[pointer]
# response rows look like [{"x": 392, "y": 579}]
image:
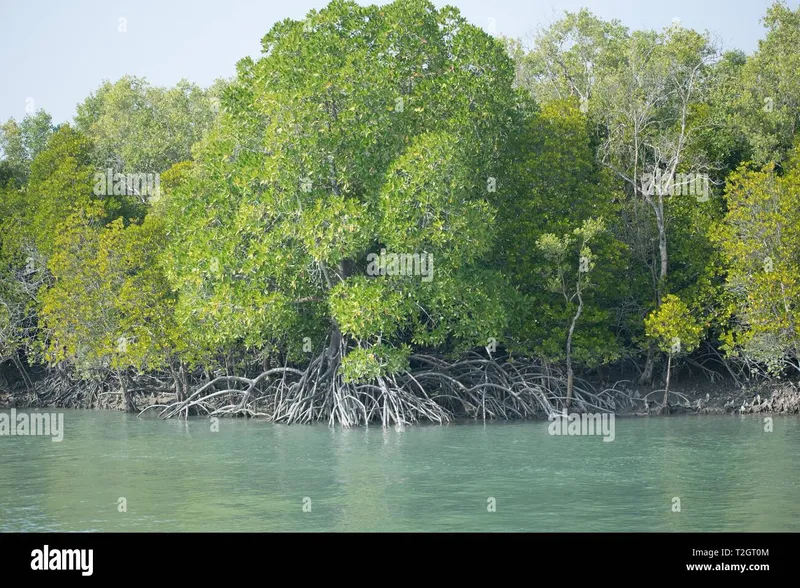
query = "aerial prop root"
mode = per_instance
[{"x": 432, "y": 390}]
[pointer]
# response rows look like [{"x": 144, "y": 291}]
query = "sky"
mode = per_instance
[{"x": 54, "y": 53}]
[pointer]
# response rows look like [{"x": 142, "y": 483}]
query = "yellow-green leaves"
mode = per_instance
[
  {"x": 760, "y": 244},
  {"x": 335, "y": 228},
  {"x": 431, "y": 202},
  {"x": 369, "y": 364},
  {"x": 365, "y": 307},
  {"x": 673, "y": 327},
  {"x": 109, "y": 306}
]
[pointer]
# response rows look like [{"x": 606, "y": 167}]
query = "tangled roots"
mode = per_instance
[{"x": 432, "y": 390}]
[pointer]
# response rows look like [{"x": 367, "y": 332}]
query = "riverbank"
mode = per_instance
[
  {"x": 703, "y": 397},
  {"x": 692, "y": 397}
]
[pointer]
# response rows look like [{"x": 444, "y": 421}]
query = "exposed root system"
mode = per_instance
[{"x": 433, "y": 390}]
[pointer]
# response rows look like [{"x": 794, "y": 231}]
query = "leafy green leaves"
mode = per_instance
[
  {"x": 361, "y": 129},
  {"x": 673, "y": 327},
  {"x": 760, "y": 246},
  {"x": 110, "y": 306}
]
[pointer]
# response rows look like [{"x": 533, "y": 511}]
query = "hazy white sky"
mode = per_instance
[{"x": 55, "y": 52}]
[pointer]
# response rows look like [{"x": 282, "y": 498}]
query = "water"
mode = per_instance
[{"x": 728, "y": 473}]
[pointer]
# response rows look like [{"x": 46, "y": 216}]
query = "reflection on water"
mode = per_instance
[{"x": 729, "y": 474}]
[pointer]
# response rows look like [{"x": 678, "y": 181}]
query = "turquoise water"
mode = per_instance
[{"x": 728, "y": 473}]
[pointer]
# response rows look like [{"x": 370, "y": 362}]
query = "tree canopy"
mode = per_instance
[{"x": 392, "y": 215}]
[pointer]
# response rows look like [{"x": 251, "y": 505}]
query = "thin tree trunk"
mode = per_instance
[
  {"x": 666, "y": 388},
  {"x": 175, "y": 381},
  {"x": 658, "y": 209},
  {"x": 179, "y": 378},
  {"x": 570, "y": 376},
  {"x": 662, "y": 250},
  {"x": 649, "y": 365},
  {"x": 23, "y": 372},
  {"x": 127, "y": 400},
  {"x": 183, "y": 381}
]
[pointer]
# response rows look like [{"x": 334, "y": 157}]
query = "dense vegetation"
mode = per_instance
[{"x": 395, "y": 216}]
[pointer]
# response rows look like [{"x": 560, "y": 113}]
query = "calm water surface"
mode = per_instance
[{"x": 729, "y": 474}]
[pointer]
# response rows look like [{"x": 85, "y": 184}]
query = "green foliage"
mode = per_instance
[
  {"x": 673, "y": 327},
  {"x": 362, "y": 129},
  {"x": 644, "y": 96},
  {"x": 721, "y": 135},
  {"x": 364, "y": 307},
  {"x": 567, "y": 265},
  {"x": 109, "y": 306},
  {"x": 138, "y": 128},
  {"x": 553, "y": 184},
  {"x": 760, "y": 245},
  {"x": 562, "y": 267},
  {"x": 21, "y": 143},
  {"x": 766, "y": 101},
  {"x": 365, "y": 133},
  {"x": 61, "y": 184},
  {"x": 364, "y": 365},
  {"x": 577, "y": 46}
]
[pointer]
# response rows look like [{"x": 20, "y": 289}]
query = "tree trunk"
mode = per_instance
[
  {"x": 666, "y": 388},
  {"x": 647, "y": 375},
  {"x": 23, "y": 372},
  {"x": 649, "y": 365},
  {"x": 570, "y": 376},
  {"x": 662, "y": 252},
  {"x": 333, "y": 354},
  {"x": 175, "y": 382},
  {"x": 127, "y": 398},
  {"x": 179, "y": 379},
  {"x": 183, "y": 382},
  {"x": 569, "y": 385}
]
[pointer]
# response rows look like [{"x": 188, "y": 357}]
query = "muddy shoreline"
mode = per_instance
[{"x": 703, "y": 397}]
